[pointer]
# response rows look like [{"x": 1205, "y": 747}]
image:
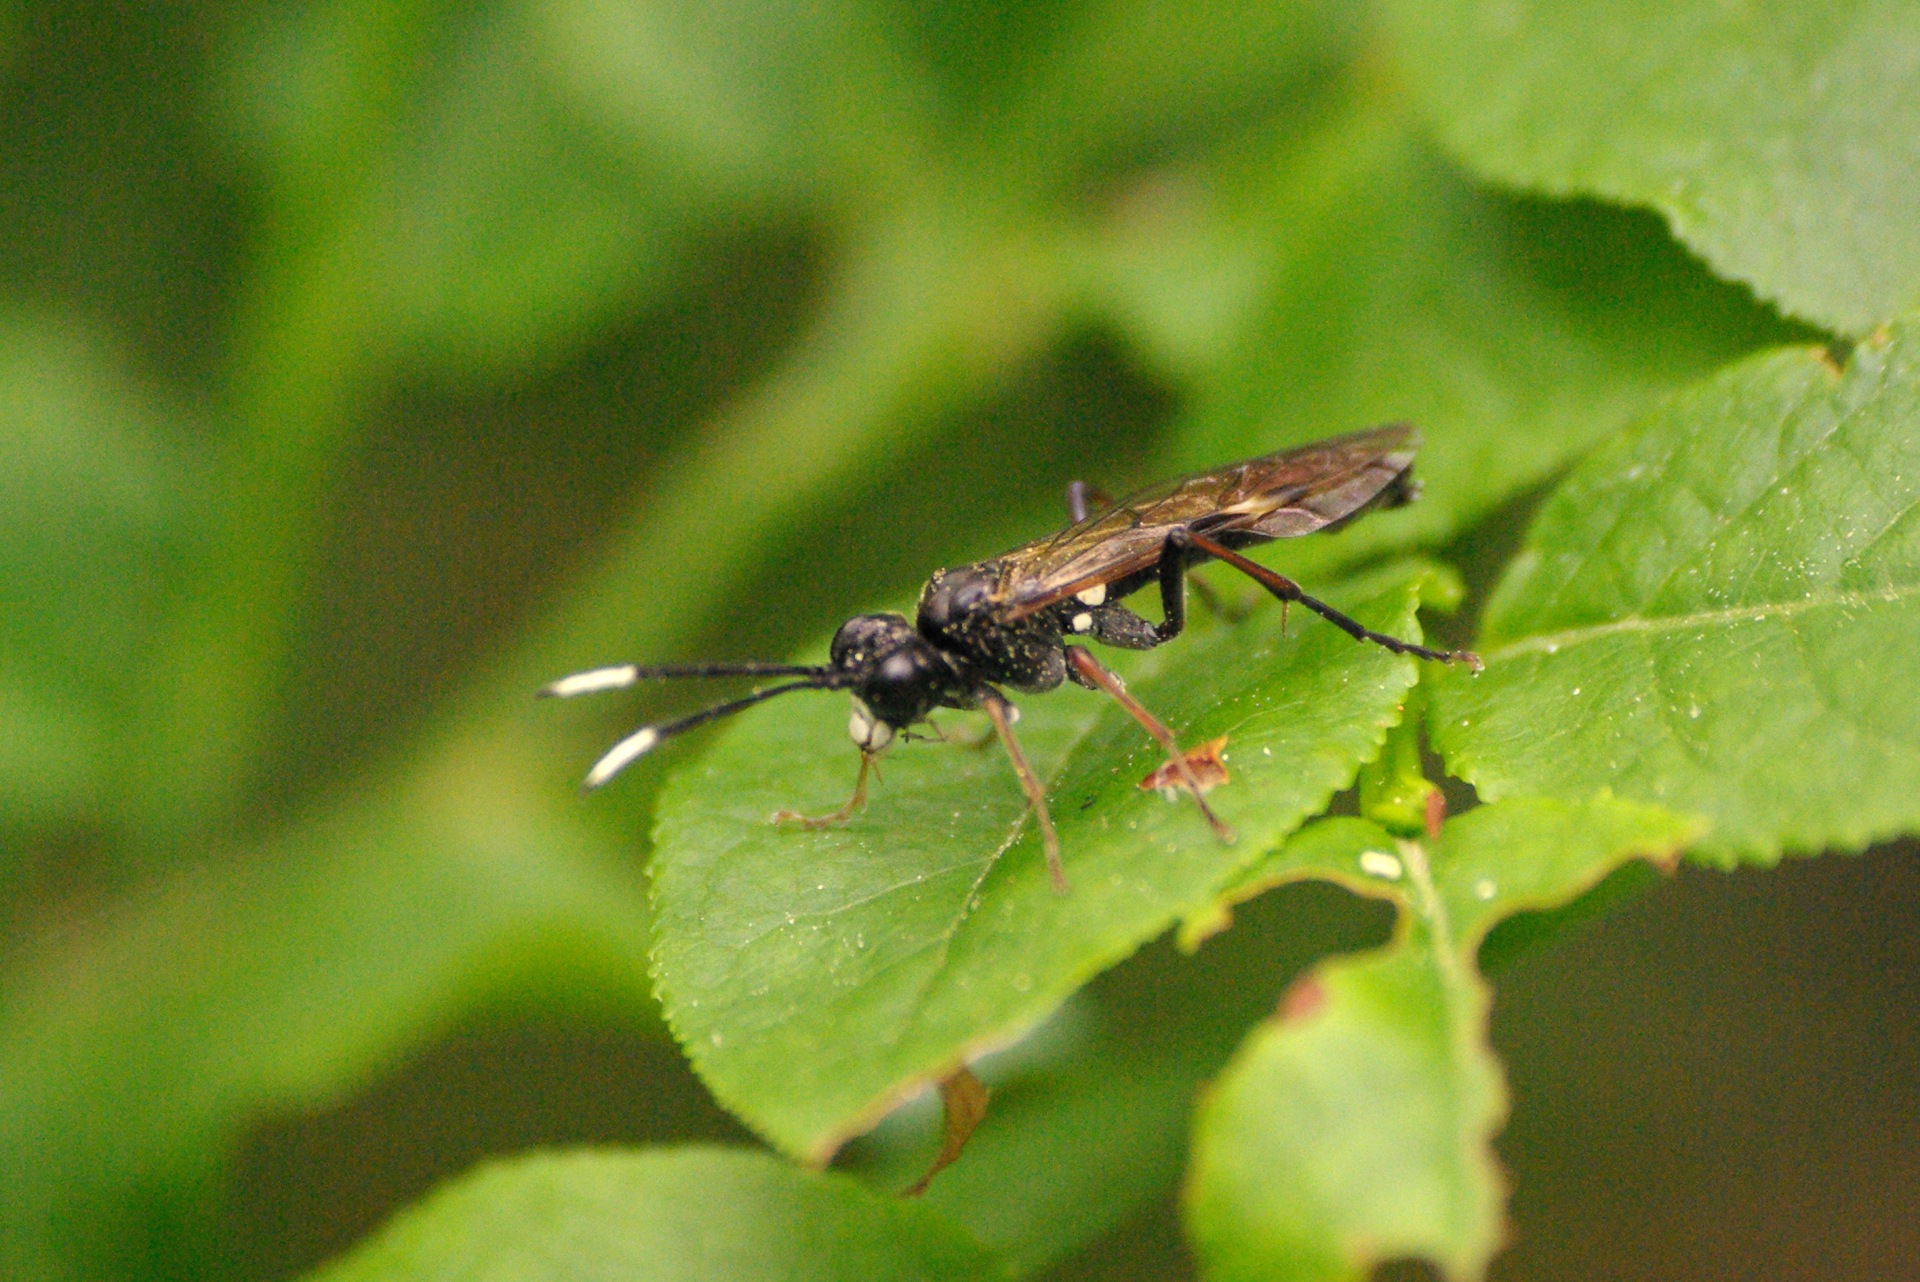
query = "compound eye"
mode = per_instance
[
  {"x": 864, "y": 634},
  {"x": 899, "y": 668}
]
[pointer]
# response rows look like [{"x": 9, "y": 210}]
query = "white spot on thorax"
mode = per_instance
[
  {"x": 1082, "y": 621},
  {"x": 1095, "y": 595}
]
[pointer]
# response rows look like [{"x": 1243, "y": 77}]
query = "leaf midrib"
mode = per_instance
[
  {"x": 1144, "y": 669},
  {"x": 1553, "y": 642}
]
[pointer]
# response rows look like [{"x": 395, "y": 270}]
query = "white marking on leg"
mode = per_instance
[
  {"x": 622, "y": 755},
  {"x": 1095, "y": 595},
  {"x": 1082, "y": 622},
  {"x": 592, "y": 681}
]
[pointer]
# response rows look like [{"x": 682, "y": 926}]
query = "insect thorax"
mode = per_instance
[{"x": 960, "y": 614}]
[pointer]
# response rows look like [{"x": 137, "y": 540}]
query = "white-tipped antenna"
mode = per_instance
[
  {"x": 621, "y": 675},
  {"x": 592, "y": 681},
  {"x": 622, "y": 754},
  {"x": 642, "y": 741}
]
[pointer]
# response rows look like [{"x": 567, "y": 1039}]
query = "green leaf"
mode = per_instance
[
  {"x": 1110, "y": 82},
  {"x": 91, "y": 505},
  {"x": 433, "y": 203},
  {"x": 1716, "y": 614},
  {"x": 139, "y": 1047},
  {"x": 1090, "y": 1111},
  {"x": 1356, "y": 1127},
  {"x": 1335, "y": 849},
  {"x": 675, "y": 1215},
  {"x": 1514, "y": 333},
  {"x": 1394, "y": 789},
  {"x": 513, "y": 231},
  {"x": 816, "y": 978},
  {"x": 339, "y": 945},
  {"x": 1780, "y": 139},
  {"x": 777, "y": 100}
]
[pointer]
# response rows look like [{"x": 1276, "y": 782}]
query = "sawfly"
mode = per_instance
[{"x": 1010, "y": 622}]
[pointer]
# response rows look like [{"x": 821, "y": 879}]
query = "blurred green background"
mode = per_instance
[{"x": 363, "y": 365}]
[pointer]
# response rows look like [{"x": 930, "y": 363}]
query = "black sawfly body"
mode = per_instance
[{"x": 1009, "y": 622}]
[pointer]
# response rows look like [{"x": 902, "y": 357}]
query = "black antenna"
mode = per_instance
[
  {"x": 647, "y": 738},
  {"x": 622, "y": 675}
]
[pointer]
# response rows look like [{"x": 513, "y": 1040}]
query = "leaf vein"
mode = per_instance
[
  {"x": 1784, "y": 468},
  {"x": 1552, "y": 642}
]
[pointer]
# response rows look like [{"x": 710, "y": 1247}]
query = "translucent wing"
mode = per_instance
[{"x": 1276, "y": 496}]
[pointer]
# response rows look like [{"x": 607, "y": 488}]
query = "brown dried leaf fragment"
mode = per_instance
[
  {"x": 1206, "y": 763},
  {"x": 964, "y": 1099}
]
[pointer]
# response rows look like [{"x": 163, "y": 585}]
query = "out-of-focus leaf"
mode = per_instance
[
  {"x": 299, "y": 85},
  {"x": 1781, "y": 140},
  {"x": 1119, "y": 82},
  {"x": 495, "y": 224},
  {"x": 868, "y": 101},
  {"x": 885, "y": 360},
  {"x": 515, "y": 228},
  {"x": 137, "y": 1046},
  {"x": 1394, "y": 789},
  {"x": 1357, "y": 1126},
  {"x": 1514, "y": 334},
  {"x": 761, "y": 100},
  {"x": 1325, "y": 850},
  {"x": 672, "y": 1215},
  {"x": 432, "y": 198},
  {"x": 91, "y": 504},
  {"x": 1717, "y": 614},
  {"x": 1091, "y": 1110},
  {"x": 815, "y": 978}
]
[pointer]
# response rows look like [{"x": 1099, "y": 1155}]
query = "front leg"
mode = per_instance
[
  {"x": 1003, "y": 715},
  {"x": 857, "y": 801}
]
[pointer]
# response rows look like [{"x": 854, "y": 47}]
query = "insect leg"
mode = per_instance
[
  {"x": 972, "y": 743},
  {"x": 1002, "y": 713},
  {"x": 857, "y": 801},
  {"x": 1174, "y": 582},
  {"x": 1083, "y": 498},
  {"x": 1173, "y": 588},
  {"x": 1118, "y": 626},
  {"x": 1287, "y": 590},
  {"x": 1095, "y": 674}
]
